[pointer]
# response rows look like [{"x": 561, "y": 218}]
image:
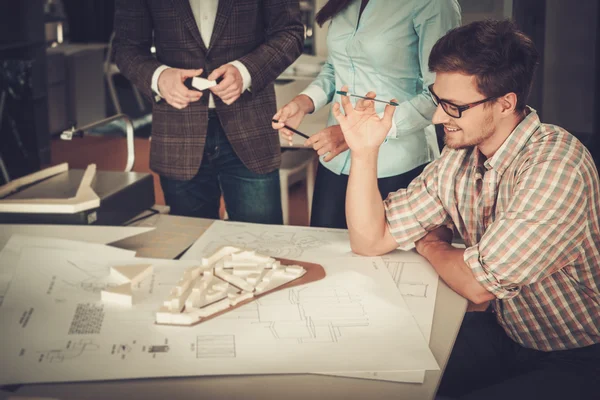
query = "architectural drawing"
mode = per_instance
[
  {"x": 72, "y": 350},
  {"x": 276, "y": 244},
  {"x": 311, "y": 315},
  {"x": 215, "y": 346},
  {"x": 321, "y": 327},
  {"x": 88, "y": 319},
  {"x": 408, "y": 287}
]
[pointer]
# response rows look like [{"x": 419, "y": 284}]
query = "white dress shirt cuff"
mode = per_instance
[
  {"x": 154, "y": 84},
  {"x": 246, "y": 78},
  {"x": 317, "y": 95}
]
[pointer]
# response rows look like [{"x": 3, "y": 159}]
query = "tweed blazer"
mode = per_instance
[{"x": 264, "y": 35}]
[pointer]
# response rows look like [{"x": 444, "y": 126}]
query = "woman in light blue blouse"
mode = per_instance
[{"x": 381, "y": 46}]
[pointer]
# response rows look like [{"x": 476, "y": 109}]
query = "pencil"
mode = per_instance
[
  {"x": 393, "y": 103},
  {"x": 293, "y": 130}
]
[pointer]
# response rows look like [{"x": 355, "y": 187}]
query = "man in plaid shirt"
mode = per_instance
[{"x": 525, "y": 198}]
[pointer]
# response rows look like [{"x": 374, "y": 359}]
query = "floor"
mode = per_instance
[{"x": 109, "y": 153}]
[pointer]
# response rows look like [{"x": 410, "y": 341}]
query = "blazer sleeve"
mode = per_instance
[
  {"x": 132, "y": 43},
  {"x": 283, "y": 45}
]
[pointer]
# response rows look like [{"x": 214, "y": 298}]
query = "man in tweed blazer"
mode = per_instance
[{"x": 220, "y": 139}]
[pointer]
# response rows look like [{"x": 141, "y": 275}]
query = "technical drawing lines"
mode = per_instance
[
  {"x": 275, "y": 244},
  {"x": 72, "y": 350},
  {"x": 215, "y": 346},
  {"x": 407, "y": 285},
  {"x": 312, "y": 315},
  {"x": 88, "y": 319}
]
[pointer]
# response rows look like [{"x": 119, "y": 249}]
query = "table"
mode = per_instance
[{"x": 449, "y": 311}]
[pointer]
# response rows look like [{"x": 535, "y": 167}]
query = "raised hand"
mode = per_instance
[{"x": 363, "y": 130}]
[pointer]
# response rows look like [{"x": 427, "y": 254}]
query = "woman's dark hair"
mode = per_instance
[
  {"x": 330, "y": 10},
  {"x": 502, "y": 58}
]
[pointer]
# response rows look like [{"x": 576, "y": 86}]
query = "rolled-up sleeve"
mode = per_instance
[
  {"x": 487, "y": 279},
  {"x": 533, "y": 237}
]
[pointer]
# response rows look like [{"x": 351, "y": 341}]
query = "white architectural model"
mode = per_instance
[
  {"x": 227, "y": 278},
  {"x": 130, "y": 275}
]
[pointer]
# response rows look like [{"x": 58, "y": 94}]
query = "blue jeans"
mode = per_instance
[{"x": 249, "y": 197}]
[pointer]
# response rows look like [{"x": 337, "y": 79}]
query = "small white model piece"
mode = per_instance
[
  {"x": 131, "y": 273},
  {"x": 227, "y": 278},
  {"x": 202, "y": 83},
  {"x": 121, "y": 294},
  {"x": 222, "y": 252}
]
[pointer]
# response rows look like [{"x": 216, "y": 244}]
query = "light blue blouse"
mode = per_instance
[{"x": 386, "y": 52}]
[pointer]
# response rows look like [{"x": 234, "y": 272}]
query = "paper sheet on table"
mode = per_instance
[
  {"x": 9, "y": 255},
  {"x": 354, "y": 316},
  {"x": 412, "y": 274},
  {"x": 84, "y": 233}
]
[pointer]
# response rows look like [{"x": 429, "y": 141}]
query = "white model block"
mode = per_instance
[
  {"x": 212, "y": 296},
  {"x": 121, "y": 294},
  {"x": 217, "y": 255},
  {"x": 244, "y": 272},
  {"x": 204, "y": 282},
  {"x": 163, "y": 316},
  {"x": 214, "y": 308},
  {"x": 184, "y": 284},
  {"x": 253, "y": 279},
  {"x": 239, "y": 298},
  {"x": 221, "y": 286},
  {"x": 202, "y": 83},
  {"x": 294, "y": 271},
  {"x": 261, "y": 287},
  {"x": 131, "y": 273},
  {"x": 186, "y": 318},
  {"x": 243, "y": 254},
  {"x": 235, "y": 281},
  {"x": 240, "y": 263},
  {"x": 250, "y": 255},
  {"x": 176, "y": 301},
  {"x": 267, "y": 277},
  {"x": 193, "y": 300},
  {"x": 276, "y": 265}
]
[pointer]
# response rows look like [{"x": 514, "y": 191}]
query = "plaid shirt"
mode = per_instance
[{"x": 530, "y": 218}]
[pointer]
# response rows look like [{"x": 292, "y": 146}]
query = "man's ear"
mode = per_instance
[{"x": 508, "y": 103}]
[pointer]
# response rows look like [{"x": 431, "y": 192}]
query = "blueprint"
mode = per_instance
[
  {"x": 11, "y": 252},
  {"x": 55, "y": 328},
  {"x": 412, "y": 274}
]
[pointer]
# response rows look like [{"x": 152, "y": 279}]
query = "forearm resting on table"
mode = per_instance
[
  {"x": 449, "y": 264},
  {"x": 365, "y": 213}
]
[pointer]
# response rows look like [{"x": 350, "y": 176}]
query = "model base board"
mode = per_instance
[{"x": 228, "y": 279}]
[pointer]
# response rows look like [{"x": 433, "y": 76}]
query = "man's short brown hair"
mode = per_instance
[{"x": 502, "y": 58}]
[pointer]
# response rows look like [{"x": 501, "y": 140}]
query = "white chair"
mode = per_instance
[{"x": 296, "y": 165}]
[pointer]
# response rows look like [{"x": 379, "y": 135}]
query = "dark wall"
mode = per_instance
[
  {"x": 89, "y": 20},
  {"x": 24, "y": 138}
]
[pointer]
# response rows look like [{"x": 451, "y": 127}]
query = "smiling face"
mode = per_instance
[{"x": 476, "y": 126}]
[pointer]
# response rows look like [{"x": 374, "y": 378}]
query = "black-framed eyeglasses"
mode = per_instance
[{"x": 454, "y": 110}]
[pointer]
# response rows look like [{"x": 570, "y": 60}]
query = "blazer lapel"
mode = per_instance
[
  {"x": 223, "y": 12},
  {"x": 185, "y": 12}
]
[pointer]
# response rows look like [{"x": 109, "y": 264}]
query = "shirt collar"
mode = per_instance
[{"x": 514, "y": 143}]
